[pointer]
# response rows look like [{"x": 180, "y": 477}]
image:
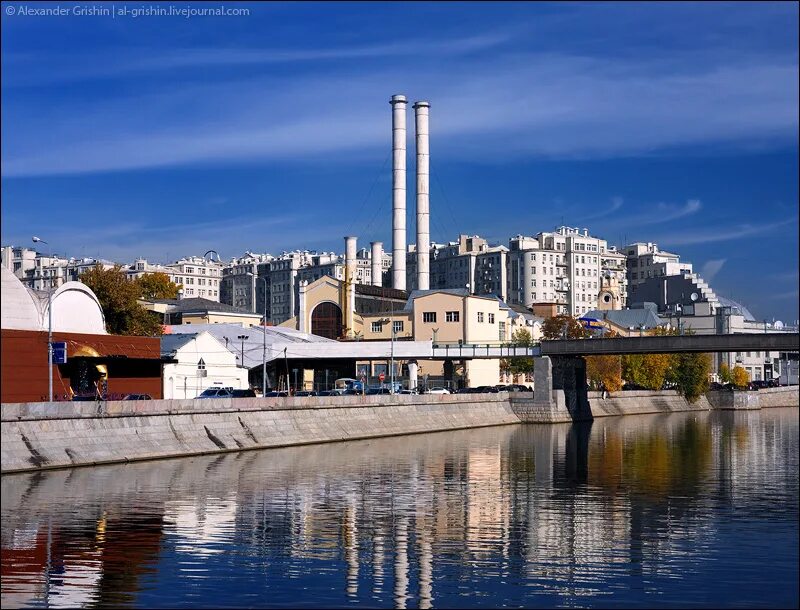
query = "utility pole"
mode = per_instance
[
  {"x": 243, "y": 337},
  {"x": 49, "y": 324}
]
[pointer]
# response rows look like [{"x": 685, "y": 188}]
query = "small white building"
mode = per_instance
[{"x": 202, "y": 362}]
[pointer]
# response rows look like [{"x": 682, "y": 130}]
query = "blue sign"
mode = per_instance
[{"x": 59, "y": 352}]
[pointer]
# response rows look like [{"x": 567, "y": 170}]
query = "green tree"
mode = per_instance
[
  {"x": 739, "y": 377},
  {"x": 519, "y": 365},
  {"x": 690, "y": 373},
  {"x": 725, "y": 373},
  {"x": 647, "y": 370},
  {"x": 557, "y": 326},
  {"x": 157, "y": 286},
  {"x": 118, "y": 298}
]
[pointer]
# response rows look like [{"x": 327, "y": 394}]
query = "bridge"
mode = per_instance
[{"x": 769, "y": 342}]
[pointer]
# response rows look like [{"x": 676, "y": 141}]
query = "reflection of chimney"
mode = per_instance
[
  {"x": 423, "y": 196},
  {"x": 377, "y": 263},
  {"x": 398, "y": 103},
  {"x": 350, "y": 268}
]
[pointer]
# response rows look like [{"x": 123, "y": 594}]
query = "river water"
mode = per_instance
[{"x": 681, "y": 510}]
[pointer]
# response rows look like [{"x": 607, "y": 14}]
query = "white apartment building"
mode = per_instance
[
  {"x": 199, "y": 277},
  {"x": 141, "y": 267},
  {"x": 645, "y": 260},
  {"x": 50, "y": 272},
  {"x": 565, "y": 267},
  {"x": 18, "y": 260}
]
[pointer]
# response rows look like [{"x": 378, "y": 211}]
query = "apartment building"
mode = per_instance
[
  {"x": 199, "y": 277},
  {"x": 239, "y": 286},
  {"x": 645, "y": 260},
  {"x": 142, "y": 267},
  {"x": 565, "y": 268}
]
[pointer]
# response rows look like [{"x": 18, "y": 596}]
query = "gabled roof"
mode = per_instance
[{"x": 170, "y": 344}]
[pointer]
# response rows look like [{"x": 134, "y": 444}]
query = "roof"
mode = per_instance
[
  {"x": 380, "y": 291},
  {"x": 255, "y": 341},
  {"x": 415, "y": 294},
  {"x": 170, "y": 344},
  {"x": 627, "y": 318},
  {"x": 735, "y": 305},
  {"x": 200, "y": 304}
]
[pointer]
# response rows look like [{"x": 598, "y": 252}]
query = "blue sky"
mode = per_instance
[{"x": 162, "y": 136}]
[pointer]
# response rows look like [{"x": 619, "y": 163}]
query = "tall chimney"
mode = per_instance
[
  {"x": 377, "y": 263},
  {"x": 423, "y": 196},
  {"x": 398, "y": 103},
  {"x": 350, "y": 275}
]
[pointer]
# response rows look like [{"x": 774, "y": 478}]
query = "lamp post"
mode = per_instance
[
  {"x": 286, "y": 362},
  {"x": 264, "y": 332},
  {"x": 38, "y": 240},
  {"x": 242, "y": 338}
]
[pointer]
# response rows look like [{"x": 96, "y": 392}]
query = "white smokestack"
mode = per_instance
[
  {"x": 377, "y": 263},
  {"x": 421, "y": 110},
  {"x": 398, "y": 103},
  {"x": 350, "y": 258}
]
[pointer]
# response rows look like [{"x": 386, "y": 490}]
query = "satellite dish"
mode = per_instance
[{"x": 694, "y": 296}]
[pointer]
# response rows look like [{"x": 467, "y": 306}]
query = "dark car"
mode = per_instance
[
  {"x": 138, "y": 397},
  {"x": 633, "y": 386},
  {"x": 275, "y": 393},
  {"x": 518, "y": 387},
  {"x": 243, "y": 394},
  {"x": 328, "y": 393},
  {"x": 84, "y": 398},
  {"x": 487, "y": 389},
  {"x": 305, "y": 393},
  {"x": 216, "y": 393},
  {"x": 374, "y": 391}
]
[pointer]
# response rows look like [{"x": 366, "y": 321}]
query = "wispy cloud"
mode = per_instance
[
  {"x": 717, "y": 234},
  {"x": 659, "y": 213},
  {"x": 486, "y": 109},
  {"x": 710, "y": 268}
]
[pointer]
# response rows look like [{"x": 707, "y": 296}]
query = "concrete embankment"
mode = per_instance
[
  {"x": 55, "y": 435},
  {"x": 62, "y": 434}
]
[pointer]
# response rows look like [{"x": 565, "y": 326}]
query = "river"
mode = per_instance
[{"x": 681, "y": 510}]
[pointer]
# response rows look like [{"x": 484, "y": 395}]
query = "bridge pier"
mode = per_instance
[{"x": 561, "y": 379}]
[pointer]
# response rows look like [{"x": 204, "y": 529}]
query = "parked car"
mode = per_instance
[
  {"x": 633, "y": 386},
  {"x": 274, "y": 393},
  {"x": 138, "y": 397},
  {"x": 374, "y": 391},
  {"x": 409, "y": 392},
  {"x": 243, "y": 394},
  {"x": 466, "y": 391},
  {"x": 487, "y": 389},
  {"x": 216, "y": 393},
  {"x": 352, "y": 392},
  {"x": 437, "y": 391},
  {"x": 305, "y": 393},
  {"x": 518, "y": 387},
  {"x": 327, "y": 393}
]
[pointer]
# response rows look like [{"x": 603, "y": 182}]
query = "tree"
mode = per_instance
[
  {"x": 605, "y": 371},
  {"x": 157, "y": 286},
  {"x": 647, "y": 370},
  {"x": 739, "y": 377},
  {"x": 118, "y": 298},
  {"x": 690, "y": 373},
  {"x": 725, "y": 373},
  {"x": 557, "y": 326},
  {"x": 519, "y": 365}
]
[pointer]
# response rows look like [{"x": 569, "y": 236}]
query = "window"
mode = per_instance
[
  {"x": 429, "y": 316},
  {"x": 501, "y": 331},
  {"x": 480, "y": 316},
  {"x": 451, "y": 316},
  {"x": 189, "y": 269},
  {"x": 377, "y": 327},
  {"x": 491, "y": 318},
  {"x": 398, "y": 327}
]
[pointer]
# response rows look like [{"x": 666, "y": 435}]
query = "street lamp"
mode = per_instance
[
  {"x": 39, "y": 240},
  {"x": 243, "y": 338},
  {"x": 264, "y": 331}
]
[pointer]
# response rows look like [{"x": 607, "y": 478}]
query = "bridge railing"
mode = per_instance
[{"x": 496, "y": 349}]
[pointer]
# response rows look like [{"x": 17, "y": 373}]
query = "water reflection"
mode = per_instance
[{"x": 674, "y": 510}]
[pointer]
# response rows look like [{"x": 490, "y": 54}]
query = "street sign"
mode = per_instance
[
  {"x": 382, "y": 376},
  {"x": 59, "y": 352}
]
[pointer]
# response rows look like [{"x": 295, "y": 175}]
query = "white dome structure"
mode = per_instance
[{"x": 75, "y": 307}]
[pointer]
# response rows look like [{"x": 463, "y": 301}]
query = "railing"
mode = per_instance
[{"x": 497, "y": 349}]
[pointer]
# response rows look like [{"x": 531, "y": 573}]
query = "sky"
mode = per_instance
[{"x": 162, "y": 136}]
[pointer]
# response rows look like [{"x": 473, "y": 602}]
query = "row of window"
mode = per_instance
[{"x": 377, "y": 327}]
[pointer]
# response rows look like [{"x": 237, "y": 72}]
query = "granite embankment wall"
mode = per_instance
[
  {"x": 643, "y": 401},
  {"x": 55, "y": 435}
]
